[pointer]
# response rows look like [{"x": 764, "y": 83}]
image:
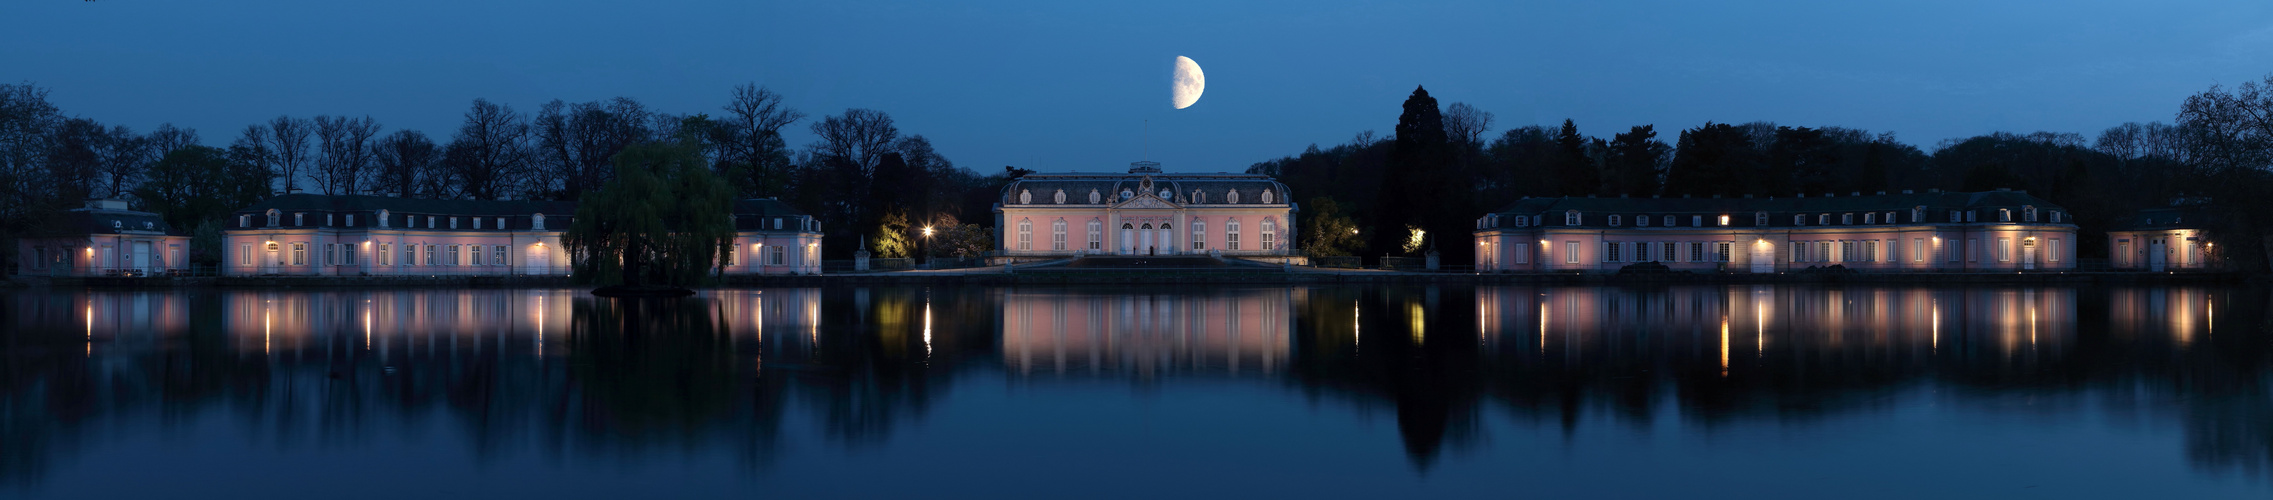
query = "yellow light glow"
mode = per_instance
[
  {"x": 927, "y": 230},
  {"x": 1724, "y": 220},
  {"x": 1419, "y": 321},
  {"x": 927, "y": 321},
  {"x": 1724, "y": 346}
]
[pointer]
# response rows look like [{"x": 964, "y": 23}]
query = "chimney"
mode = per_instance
[
  {"x": 1855, "y": 193},
  {"x": 1747, "y": 196},
  {"x": 1906, "y": 191},
  {"x": 1882, "y": 193}
]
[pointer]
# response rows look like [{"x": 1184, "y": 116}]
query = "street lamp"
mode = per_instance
[{"x": 926, "y": 247}]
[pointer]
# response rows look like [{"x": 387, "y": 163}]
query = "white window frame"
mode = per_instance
[
  {"x": 2004, "y": 249},
  {"x": 1610, "y": 250},
  {"x": 1057, "y": 231},
  {"x": 1570, "y": 252},
  {"x": 1270, "y": 232},
  {"x": 2052, "y": 250},
  {"x": 1573, "y": 218},
  {"x": 1025, "y": 235},
  {"x": 299, "y": 253},
  {"x": 1614, "y": 219},
  {"x": 1096, "y": 235},
  {"x": 1199, "y": 234},
  {"x": 1231, "y": 235}
]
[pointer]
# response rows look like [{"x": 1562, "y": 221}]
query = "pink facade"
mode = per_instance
[
  {"x": 2162, "y": 239},
  {"x": 1991, "y": 231},
  {"x": 1145, "y": 212},
  {"x": 313, "y": 235},
  {"x": 105, "y": 239},
  {"x": 1060, "y": 331}
]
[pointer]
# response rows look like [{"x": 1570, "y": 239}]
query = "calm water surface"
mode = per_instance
[{"x": 1690, "y": 391}]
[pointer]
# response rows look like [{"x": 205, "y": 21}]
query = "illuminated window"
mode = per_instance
[
  {"x": 2004, "y": 249},
  {"x": 1724, "y": 221},
  {"x": 2052, "y": 250}
]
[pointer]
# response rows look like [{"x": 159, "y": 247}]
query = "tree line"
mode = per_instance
[
  {"x": 859, "y": 171},
  {"x": 1422, "y": 187}
]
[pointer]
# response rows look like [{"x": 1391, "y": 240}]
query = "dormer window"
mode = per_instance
[
  {"x": 1025, "y": 197},
  {"x": 244, "y": 221},
  {"x": 1954, "y": 217},
  {"x": 327, "y": 220},
  {"x": 2055, "y": 216},
  {"x": 1060, "y": 197},
  {"x": 1669, "y": 221},
  {"x": 117, "y": 225},
  {"x": 2028, "y": 213},
  {"x": 1094, "y": 197},
  {"x": 1972, "y": 215},
  {"x": 1199, "y": 197},
  {"x": 477, "y": 223},
  {"x": 1613, "y": 221},
  {"x": 1696, "y": 221},
  {"x": 1266, "y": 196},
  {"x": 501, "y": 223},
  {"x": 1918, "y": 214},
  {"x": 1823, "y": 219},
  {"x": 430, "y": 222},
  {"x": 149, "y": 226},
  {"x": 1724, "y": 221},
  {"x": 1760, "y": 219},
  {"x": 383, "y": 220},
  {"x": 1799, "y": 219},
  {"x": 1571, "y": 218},
  {"x": 1870, "y": 218},
  {"x": 2004, "y": 215},
  {"x": 273, "y": 214},
  {"x": 453, "y": 223},
  {"x": 1231, "y": 197},
  {"x": 1642, "y": 221},
  {"x": 1522, "y": 221},
  {"x": 350, "y": 220},
  {"x": 299, "y": 218},
  {"x": 1126, "y": 194},
  {"x": 1846, "y": 219},
  {"x": 1889, "y": 218}
]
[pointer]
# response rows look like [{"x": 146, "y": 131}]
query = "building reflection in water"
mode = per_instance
[
  {"x": 597, "y": 376},
  {"x": 1098, "y": 331}
]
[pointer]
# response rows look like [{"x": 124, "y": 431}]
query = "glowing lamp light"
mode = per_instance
[{"x": 927, "y": 230}]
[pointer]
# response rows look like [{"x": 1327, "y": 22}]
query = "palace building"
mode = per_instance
[
  {"x": 2162, "y": 239},
  {"x": 1145, "y": 212},
  {"x": 105, "y": 238},
  {"x": 356, "y": 235},
  {"x": 1998, "y": 230}
]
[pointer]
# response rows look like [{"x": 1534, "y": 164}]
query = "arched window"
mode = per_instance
[
  {"x": 1199, "y": 234},
  {"x": 1266, "y": 198},
  {"x": 1199, "y": 196},
  {"x": 383, "y": 219},
  {"x": 273, "y": 215},
  {"x": 1231, "y": 235},
  {"x": 1760, "y": 219},
  {"x": 1126, "y": 225},
  {"x": 1613, "y": 221},
  {"x": 1096, "y": 234},
  {"x": 1270, "y": 234},
  {"x": 1057, "y": 230},
  {"x": 1231, "y": 196},
  {"x": 1025, "y": 197},
  {"x": 2028, "y": 213},
  {"x": 1146, "y": 225},
  {"x": 1918, "y": 214},
  {"x": 1060, "y": 197},
  {"x": 1025, "y": 234},
  {"x": 1094, "y": 197},
  {"x": 1571, "y": 218},
  {"x": 1126, "y": 194}
]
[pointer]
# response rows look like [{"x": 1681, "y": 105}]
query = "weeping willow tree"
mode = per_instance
[{"x": 665, "y": 221}]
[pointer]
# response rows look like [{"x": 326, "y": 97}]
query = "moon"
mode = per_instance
[{"x": 1187, "y": 83}]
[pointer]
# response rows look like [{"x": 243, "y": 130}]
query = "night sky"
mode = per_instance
[{"x": 1068, "y": 85}]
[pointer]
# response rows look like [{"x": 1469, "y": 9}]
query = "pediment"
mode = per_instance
[{"x": 1146, "y": 201}]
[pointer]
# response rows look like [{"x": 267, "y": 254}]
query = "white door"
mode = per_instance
[
  {"x": 141, "y": 257},
  {"x": 268, "y": 264},
  {"x": 540, "y": 261},
  {"x": 2156, "y": 254},
  {"x": 1128, "y": 240},
  {"x": 1167, "y": 245},
  {"x": 2028, "y": 254},
  {"x": 1144, "y": 242},
  {"x": 1763, "y": 257}
]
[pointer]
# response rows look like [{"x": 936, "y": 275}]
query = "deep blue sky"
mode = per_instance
[{"x": 1067, "y": 85}]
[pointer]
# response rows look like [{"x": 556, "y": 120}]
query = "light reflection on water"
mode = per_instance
[{"x": 745, "y": 376}]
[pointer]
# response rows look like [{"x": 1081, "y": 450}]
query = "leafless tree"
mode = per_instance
[
  {"x": 167, "y": 139},
  {"x": 405, "y": 161},
  {"x": 577, "y": 143},
  {"x": 343, "y": 159},
  {"x": 288, "y": 150},
  {"x": 27, "y": 121},
  {"x": 750, "y": 137},
  {"x": 2230, "y": 131},
  {"x": 490, "y": 154},
  {"x": 2123, "y": 142},
  {"x": 856, "y": 140},
  {"x": 125, "y": 155},
  {"x": 1463, "y": 122}
]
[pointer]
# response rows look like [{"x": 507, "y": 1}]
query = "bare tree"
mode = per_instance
[
  {"x": 343, "y": 159},
  {"x": 1465, "y": 123},
  {"x": 750, "y": 138},
  {"x": 490, "y": 154},
  {"x": 405, "y": 162},
  {"x": 167, "y": 139},
  {"x": 857, "y": 139},
  {"x": 577, "y": 143},
  {"x": 125, "y": 155},
  {"x": 288, "y": 150},
  {"x": 27, "y": 123}
]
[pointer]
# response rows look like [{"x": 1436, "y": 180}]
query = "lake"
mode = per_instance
[{"x": 1742, "y": 391}]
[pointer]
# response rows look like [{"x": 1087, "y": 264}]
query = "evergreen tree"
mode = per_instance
[
  {"x": 1710, "y": 160},
  {"x": 1635, "y": 160},
  {"x": 1575, "y": 173}
]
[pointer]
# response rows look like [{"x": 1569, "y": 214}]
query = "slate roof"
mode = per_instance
[
  {"x": 98, "y": 221},
  {"x": 1214, "y": 188},
  {"x": 517, "y": 213},
  {"x": 2164, "y": 218},
  {"x": 1741, "y": 211}
]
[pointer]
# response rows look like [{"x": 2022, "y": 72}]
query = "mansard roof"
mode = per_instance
[
  {"x": 1780, "y": 209},
  {"x": 1078, "y": 185},
  {"x": 305, "y": 202},
  {"x": 108, "y": 221}
]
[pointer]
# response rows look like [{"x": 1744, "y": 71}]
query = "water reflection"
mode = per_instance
[{"x": 557, "y": 373}]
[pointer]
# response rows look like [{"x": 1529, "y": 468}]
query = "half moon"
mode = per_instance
[{"x": 1187, "y": 84}]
